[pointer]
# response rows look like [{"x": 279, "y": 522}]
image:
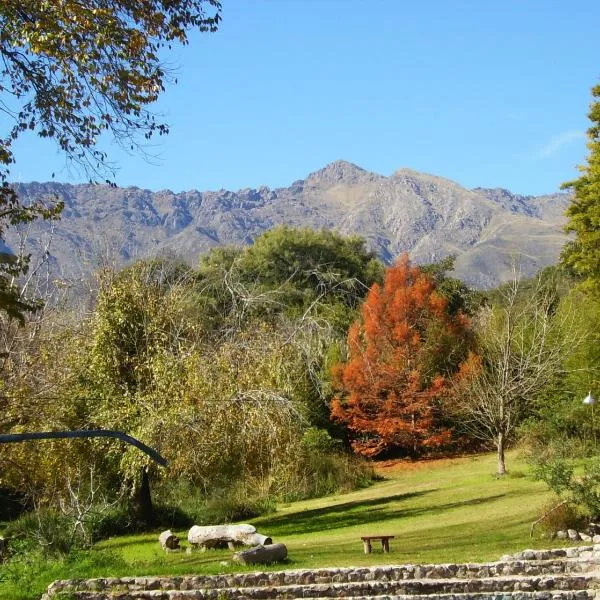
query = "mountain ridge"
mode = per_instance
[{"x": 426, "y": 215}]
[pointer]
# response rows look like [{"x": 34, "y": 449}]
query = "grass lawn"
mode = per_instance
[{"x": 450, "y": 510}]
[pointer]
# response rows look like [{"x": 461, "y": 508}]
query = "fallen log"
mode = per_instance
[
  {"x": 213, "y": 536},
  {"x": 262, "y": 555},
  {"x": 168, "y": 541}
]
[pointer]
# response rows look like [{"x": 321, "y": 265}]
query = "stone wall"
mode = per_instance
[{"x": 531, "y": 571}]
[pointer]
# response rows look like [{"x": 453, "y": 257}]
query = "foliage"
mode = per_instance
[
  {"x": 583, "y": 253},
  {"x": 560, "y": 516},
  {"x": 403, "y": 351},
  {"x": 580, "y": 488},
  {"x": 71, "y": 72},
  {"x": 302, "y": 273},
  {"x": 45, "y": 528},
  {"x": 305, "y": 284},
  {"x": 555, "y": 414},
  {"x": 13, "y": 300},
  {"x": 460, "y": 297},
  {"x": 523, "y": 343},
  {"x": 200, "y": 367}
]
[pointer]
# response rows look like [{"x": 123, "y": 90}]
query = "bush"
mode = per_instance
[
  {"x": 57, "y": 534},
  {"x": 180, "y": 504},
  {"x": 46, "y": 528},
  {"x": 320, "y": 474},
  {"x": 560, "y": 517},
  {"x": 237, "y": 507},
  {"x": 581, "y": 487},
  {"x": 317, "y": 440}
]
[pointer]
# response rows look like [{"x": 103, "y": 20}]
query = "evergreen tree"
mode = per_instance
[{"x": 582, "y": 255}]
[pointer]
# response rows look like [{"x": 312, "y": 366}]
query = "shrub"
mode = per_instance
[
  {"x": 580, "y": 488},
  {"x": 46, "y": 528},
  {"x": 57, "y": 534},
  {"x": 560, "y": 517},
  {"x": 317, "y": 440},
  {"x": 180, "y": 504},
  {"x": 319, "y": 474}
]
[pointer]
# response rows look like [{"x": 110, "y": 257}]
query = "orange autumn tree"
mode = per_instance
[{"x": 403, "y": 353}]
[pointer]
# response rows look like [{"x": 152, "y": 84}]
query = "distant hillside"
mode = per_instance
[{"x": 427, "y": 216}]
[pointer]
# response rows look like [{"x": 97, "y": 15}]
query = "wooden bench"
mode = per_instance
[{"x": 385, "y": 542}]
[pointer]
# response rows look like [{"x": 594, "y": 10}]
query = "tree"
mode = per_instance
[
  {"x": 583, "y": 253},
  {"x": 402, "y": 353},
  {"x": 73, "y": 71},
  {"x": 460, "y": 297},
  {"x": 296, "y": 271},
  {"x": 522, "y": 345},
  {"x": 307, "y": 285}
]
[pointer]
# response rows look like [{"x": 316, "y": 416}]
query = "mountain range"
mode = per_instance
[{"x": 489, "y": 230}]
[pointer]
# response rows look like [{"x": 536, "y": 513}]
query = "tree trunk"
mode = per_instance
[
  {"x": 500, "y": 442},
  {"x": 142, "y": 501}
]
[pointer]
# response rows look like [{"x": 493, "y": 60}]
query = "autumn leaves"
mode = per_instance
[{"x": 405, "y": 353}]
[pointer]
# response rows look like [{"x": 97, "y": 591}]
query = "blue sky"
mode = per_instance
[{"x": 489, "y": 93}]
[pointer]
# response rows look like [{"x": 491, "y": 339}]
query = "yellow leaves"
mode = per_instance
[{"x": 68, "y": 54}]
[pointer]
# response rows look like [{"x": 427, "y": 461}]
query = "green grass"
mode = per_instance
[{"x": 450, "y": 511}]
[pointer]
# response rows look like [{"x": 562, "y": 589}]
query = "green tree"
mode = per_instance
[
  {"x": 460, "y": 297},
  {"x": 583, "y": 253},
  {"x": 296, "y": 271},
  {"x": 73, "y": 71}
]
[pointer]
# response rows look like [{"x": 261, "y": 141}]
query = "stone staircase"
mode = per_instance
[{"x": 562, "y": 574}]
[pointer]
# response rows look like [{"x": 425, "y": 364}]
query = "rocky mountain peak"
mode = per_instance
[{"x": 340, "y": 172}]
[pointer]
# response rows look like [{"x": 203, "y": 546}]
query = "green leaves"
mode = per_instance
[
  {"x": 73, "y": 71},
  {"x": 582, "y": 255}
]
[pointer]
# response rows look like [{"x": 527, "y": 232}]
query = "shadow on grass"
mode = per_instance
[{"x": 358, "y": 512}]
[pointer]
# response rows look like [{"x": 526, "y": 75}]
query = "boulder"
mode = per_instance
[
  {"x": 573, "y": 535},
  {"x": 213, "y": 536},
  {"x": 262, "y": 555},
  {"x": 168, "y": 541}
]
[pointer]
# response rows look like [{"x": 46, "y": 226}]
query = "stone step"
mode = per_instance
[
  {"x": 540, "y": 595},
  {"x": 584, "y": 552},
  {"x": 333, "y": 575},
  {"x": 546, "y": 595},
  {"x": 543, "y": 595},
  {"x": 489, "y": 587}
]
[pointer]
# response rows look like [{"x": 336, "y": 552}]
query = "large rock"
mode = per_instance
[
  {"x": 213, "y": 536},
  {"x": 573, "y": 535},
  {"x": 262, "y": 555},
  {"x": 168, "y": 541}
]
